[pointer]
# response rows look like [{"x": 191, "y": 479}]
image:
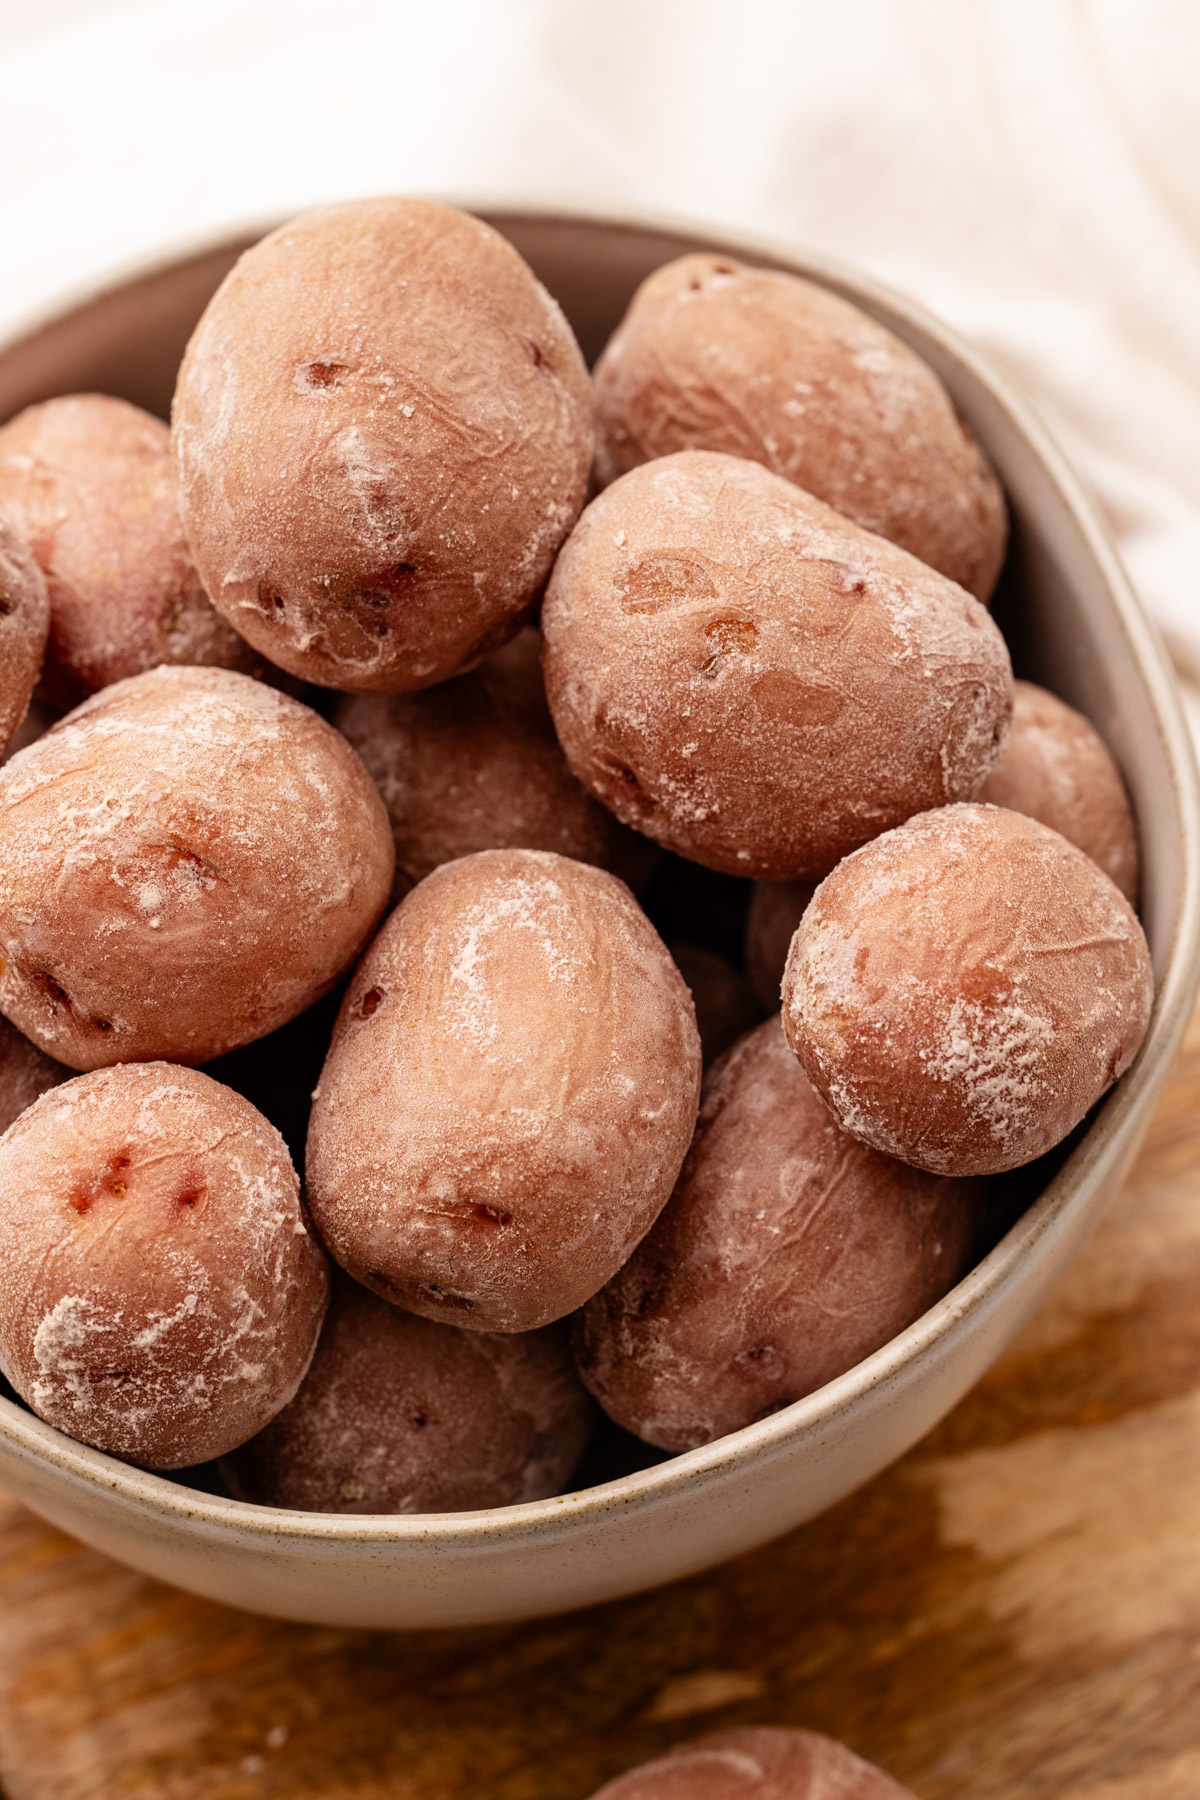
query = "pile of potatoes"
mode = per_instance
[{"x": 398, "y": 772}]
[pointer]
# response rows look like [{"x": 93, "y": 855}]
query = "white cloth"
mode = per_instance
[{"x": 1028, "y": 168}]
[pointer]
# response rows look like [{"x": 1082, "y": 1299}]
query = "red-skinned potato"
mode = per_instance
[
  {"x": 755, "y": 682},
  {"x": 400, "y": 1415},
  {"x": 161, "y": 1292},
  {"x": 187, "y": 860},
  {"x": 382, "y": 428},
  {"x": 509, "y": 1094},
  {"x": 961, "y": 991},
  {"x": 787, "y": 1253},
  {"x": 88, "y": 480},
  {"x": 24, "y": 622},
  {"x": 758, "y": 1762}
]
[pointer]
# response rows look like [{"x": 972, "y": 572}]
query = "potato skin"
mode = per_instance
[
  {"x": 24, "y": 622},
  {"x": 88, "y": 480},
  {"x": 161, "y": 1293},
  {"x": 474, "y": 765},
  {"x": 382, "y": 427},
  {"x": 401, "y": 1415},
  {"x": 964, "y": 989},
  {"x": 752, "y": 680},
  {"x": 757, "y": 1762},
  {"x": 509, "y": 1094},
  {"x": 776, "y": 908},
  {"x": 787, "y": 1253},
  {"x": 713, "y": 355},
  {"x": 25, "y": 1073},
  {"x": 186, "y": 861},
  {"x": 1058, "y": 769}
]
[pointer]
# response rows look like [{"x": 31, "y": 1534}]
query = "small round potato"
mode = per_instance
[
  {"x": 1058, "y": 769},
  {"x": 25, "y": 1073},
  {"x": 400, "y": 1415},
  {"x": 186, "y": 861},
  {"x": 509, "y": 1095},
  {"x": 787, "y": 1253},
  {"x": 964, "y": 989},
  {"x": 24, "y": 622},
  {"x": 758, "y": 1762},
  {"x": 474, "y": 765},
  {"x": 713, "y": 355},
  {"x": 161, "y": 1295},
  {"x": 755, "y": 682},
  {"x": 88, "y": 480},
  {"x": 383, "y": 427},
  {"x": 776, "y": 908}
]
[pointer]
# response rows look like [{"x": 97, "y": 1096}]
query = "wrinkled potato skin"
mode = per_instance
[
  {"x": 88, "y": 480},
  {"x": 713, "y": 355},
  {"x": 753, "y": 681},
  {"x": 509, "y": 1094},
  {"x": 161, "y": 1294},
  {"x": 1058, "y": 769},
  {"x": 382, "y": 427},
  {"x": 25, "y": 1073},
  {"x": 399, "y": 1415},
  {"x": 186, "y": 861},
  {"x": 787, "y": 1253},
  {"x": 776, "y": 908},
  {"x": 24, "y": 622},
  {"x": 964, "y": 989},
  {"x": 474, "y": 765},
  {"x": 758, "y": 1762}
]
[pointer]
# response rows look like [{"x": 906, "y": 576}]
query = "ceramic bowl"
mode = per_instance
[{"x": 1073, "y": 624}]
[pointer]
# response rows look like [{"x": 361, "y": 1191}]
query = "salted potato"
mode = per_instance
[
  {"x": 162, "y": 1295},
  {"x": 1057, "y": 768},
  {"x": 382, "y": 427},
  {"x": 401, "y": 1415},
  {"x": 776, "y": 908},
  {"x": 713, "y": 355},
  {"x": 758, "y": 1762},
  {"x": 755, "y": 682},
  {"x": 187, "y": 860},
  {"x": 509, "y": 1094},
  {"x": 24, "y": 622},
  {"x": 474, "y": 764},
  {"x": 25, "y": 1073},
  {"x": 88, "y": 480},
  {"x": 787, "y": 1253},
  {"x": 964, "y": 989}
]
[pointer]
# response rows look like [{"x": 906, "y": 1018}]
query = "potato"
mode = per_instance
[
  {"x": 24, "y": 622},
  {"x": 776, "y": 908},
  {"x": 757, "y": 1762},
  {"x": 474, "y": 765},
  {"x": 713, "y": 355},
  {"x": 161, "y": 1295},
  {"x": 1058, "y": 769},
  {"x": 400, "y": 1415},
  {"x": 24, "y": 1073},
  {"x": 382, "y": 427},
  {"x": 755, "y": 682},
  {"x": 964, "y": 989},
  {"x": 787, "y": 1253},
  {"x": 509, "y": 1094},
  {"x": 88, "y": 480},
  {"x": 724, "y": 1005},
  {"x": 186, "y": 861}
]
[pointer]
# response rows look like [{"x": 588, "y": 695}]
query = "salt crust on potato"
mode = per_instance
[
  {"x": 754, "y": 681},
  {"x": 1058, "y": 769},
  {"x": 186, "y": 861},
  {"x": 758, "y": 1762},
  {"x": 474, "y": 765},
  {"x": 713, "y": 355},
  {"x": 787, "y": 1253},
  {"x": 161, "y": 1293},
  {"x": 509, "y": 1094},
  {"x": 25, "y": 1073},
  {"x": 88, "y": 480},
  {"x": 964, "y": 989},
  {"x": 382, "y": 426},
  {"x": 401, "y": 1415},
  {"x": 24, "y": 622}
]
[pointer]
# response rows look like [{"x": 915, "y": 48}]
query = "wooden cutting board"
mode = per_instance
[{"x": 1013, "y": 1611}]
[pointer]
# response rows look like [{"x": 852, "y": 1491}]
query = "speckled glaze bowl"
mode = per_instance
[{"x": 1074, "y": 625}]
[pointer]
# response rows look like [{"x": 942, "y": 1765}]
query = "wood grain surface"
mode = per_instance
[{"x": 1013, "y": 1611}]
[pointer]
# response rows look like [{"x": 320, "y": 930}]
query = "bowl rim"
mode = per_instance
[{"x": 1074, "y": 1183}]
